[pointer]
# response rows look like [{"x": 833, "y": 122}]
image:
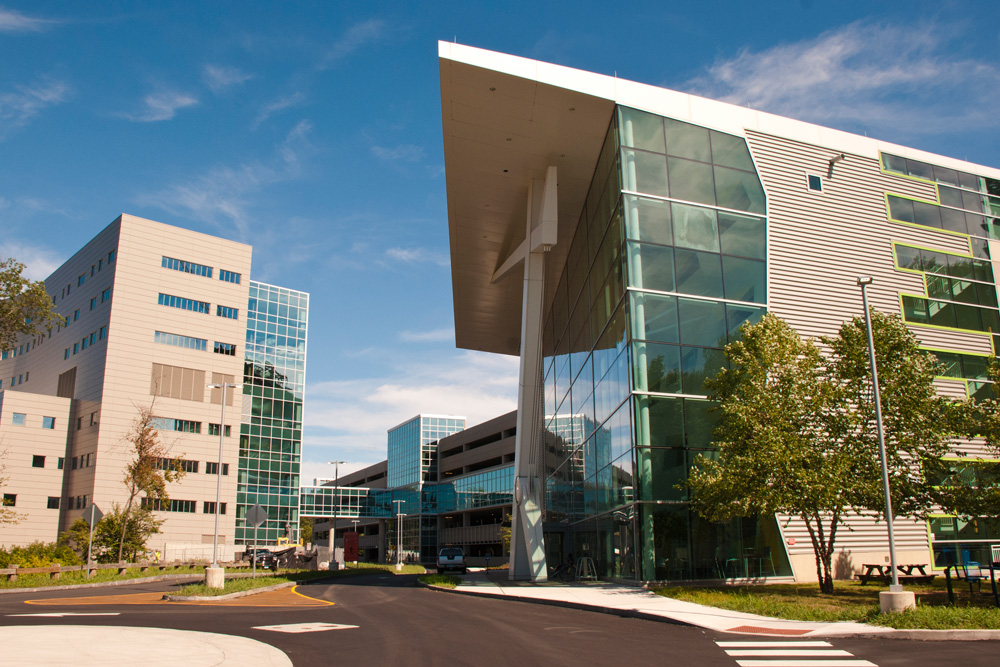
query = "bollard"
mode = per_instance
[
  {"x": 56, "y": 573},
  {"x": 13, "y": 577}
]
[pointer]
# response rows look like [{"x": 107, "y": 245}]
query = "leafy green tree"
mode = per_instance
[
  {"x": 306, "y": 524},
  {"x": 147, "y": 473},
  {"x": 797, "y": 434},
  {"x": 25, "y": 307}
]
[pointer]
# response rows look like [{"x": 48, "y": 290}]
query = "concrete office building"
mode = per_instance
[
  {"x": 153, "y": 315},
  {"x": 615, "y": 235}
]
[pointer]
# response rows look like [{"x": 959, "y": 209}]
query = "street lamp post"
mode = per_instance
[
  {"x": 335, "y": 564},
  {"x": 399, "y": 534},
  {"x": 215, "y": 577},
  {"x": 864, "y": 282}
]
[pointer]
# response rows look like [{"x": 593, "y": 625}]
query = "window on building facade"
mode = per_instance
[
  {"x": 186, "y": 267},
  {"x": 18, "y": 418},
  {"x": 79, "y": 281},
  {"x": 210, "y": 508},
  {"x": 213, "y": 429},
  {"x": 183, "y": 303},
  {"x": 106, "y": 295},
  {"x": 226, "y": 311},
  {"x": 10, "y": 500},
  {"x": 37, "y": 461},
  {"x": 229, "y": 276},
  {"x": 53, "y": 503},
  {"x": 225, "y": 348},
  {"x": 212, "y": 468},
  {"x": 178, "y": 340}
]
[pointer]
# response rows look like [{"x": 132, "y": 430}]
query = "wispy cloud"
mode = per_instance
[
  {"x": 348, "y": 420},
  {"x": 896, "y": 79},
  {"x": 219, "y": 77},
  {"x": 351, "y": 40},
  {"x": 39, "y": 261},
  {"x": 223, "y": 196},
  {"x": 12, "y": 21},
  {"x": 161, "y": 106},
  {"x": 418, "y": 256},
  {"x": 277, "y": 105},
  {"x": 401, "y": 153},
  {"x": 433, "y": 336},
  {"x": 20, "y": 106}
]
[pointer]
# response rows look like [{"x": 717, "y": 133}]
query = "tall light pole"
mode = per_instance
[
  {"x": 399, "y": 534},
  {"x": 864, "y": 282},
  {"x": 336, "y": 503},
  {"x": 218, "y": 471}
]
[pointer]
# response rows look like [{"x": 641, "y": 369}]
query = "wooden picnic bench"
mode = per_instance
[{"x": 883, "y": 573}]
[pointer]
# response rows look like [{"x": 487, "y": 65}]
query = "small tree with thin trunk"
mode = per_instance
[
  {"x": 148, "y": 472},
  {"x": 25, "y": 307}
]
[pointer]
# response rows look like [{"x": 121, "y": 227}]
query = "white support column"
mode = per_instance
[{"x": 527, "y": 550}]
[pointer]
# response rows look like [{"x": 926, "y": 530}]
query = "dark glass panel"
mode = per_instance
[
  {"x": 659, "y": 316},
  {"x": 665, "y": 469},
  {"x": 990, "y": 320},
  {"x": 744, "y": 279},
  {"x": 915, "y": 310},
  {"x": 641, "y": 129},
  {"x": 699, "y": 421},
  {"x": 687, "y": 141},
  {"x": 742, "y": 235},
  {"x": 738, "y": 190},
  {"x": 960, "y": 267},
  {"x": 973, "y": 202},
  {"x": 967, "y": 317},
  {"x": 666, "y": 421},
  {"x": 691, "y": 181},
  {"x": 907, "y": 257},
  {"x": 900, "y": 209},
  {"x": 967, "y": 180},
  {"x": 928, "y": 215},
  {"x": 941, "y": 314},
  {"x": 977, "y": 225},
  {"x": 942, "y": 175},
  {"x": 698, "y": 364},
  {"x": 950, "y": 196},
  {"x": 662, "y": 367},
  {"x": 650, "y": 172},
  {"x": 951, "y": 364},
  {"x": 986, "y": 295},
  {"x": 730, "y": 151},
  {"x": 920, "y": 169},
  {"x": 894, "y": 163},
  {"x": 698, "y": 273},
  {"x": 975, "y": 368},
  {"x": 993, "y": 186},
  {"x": 657, "y": 267},
  {"x": 703, "y": 323},
  {"x": 648, "y": 220}
]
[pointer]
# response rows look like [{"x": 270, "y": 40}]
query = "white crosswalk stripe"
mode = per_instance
[{"x": 791, "y": 653}]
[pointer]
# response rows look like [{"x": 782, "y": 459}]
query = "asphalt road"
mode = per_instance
[{"x": 399, "y": 623}]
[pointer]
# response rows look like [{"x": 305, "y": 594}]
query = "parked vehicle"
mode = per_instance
[
  {"x": 263, "y": 558},
  {"x": 451, "y": 558}
]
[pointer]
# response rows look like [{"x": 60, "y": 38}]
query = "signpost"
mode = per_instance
[
  {"x": 256, "y": 516},
  {"x": 351, "y": 547},
  {"x": 91, "y": 515}
]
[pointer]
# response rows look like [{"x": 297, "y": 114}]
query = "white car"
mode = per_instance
[{"x": 451, "y": 558}]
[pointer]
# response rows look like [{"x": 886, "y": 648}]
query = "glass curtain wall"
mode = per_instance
[
  {"x": 668, "y": 260},
  {"x": 271, "y": 434}
]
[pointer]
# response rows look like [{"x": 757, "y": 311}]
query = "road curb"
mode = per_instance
[
  {"x": 879, "y": 633},
  {"x": 229, "y": 596}
]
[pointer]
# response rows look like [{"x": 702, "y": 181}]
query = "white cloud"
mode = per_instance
[
  {"x": 893, "y": 79},
  {"x": 161, "y": 106},
  {"x": 277, "y": 105},
  {"x": 223, "y": 196},
  {"x": 434, "y": 336},
  {"x": 11, "y": 21},
  {"x": 353, "y": 39},
  {"x": 219, "y": 77},
  {"x": 418, "y": 256},
  {"x": 348, "y": 419},
  {"x": 39, "y": 261},
  {"x": 20, "y": 106},
  {"x": 401, "y": 153}
]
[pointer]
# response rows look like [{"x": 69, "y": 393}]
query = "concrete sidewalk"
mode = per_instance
[{"x": 641, "y": 603}]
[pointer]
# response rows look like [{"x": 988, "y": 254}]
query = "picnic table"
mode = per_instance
[{"x": 883, "y": 572}]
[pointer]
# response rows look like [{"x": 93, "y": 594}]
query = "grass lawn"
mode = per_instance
[
  {"x": 852, "y": 602},
  {"x": 284, "y": 576},
  {"x": 442, "y": 580}
]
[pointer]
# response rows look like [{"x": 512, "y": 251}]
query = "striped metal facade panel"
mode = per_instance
[
  {"x": 818, "y": 244},
  {"x": 862, "y": 533}
]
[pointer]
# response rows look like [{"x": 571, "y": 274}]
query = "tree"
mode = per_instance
[
  {"x": 797, "y": 436},
  {"x": 147, "y": 473},
  {"x": 306, "y": 524},
  {"x": 139, "y": 527},
  {"x": 25, "y": 307}
]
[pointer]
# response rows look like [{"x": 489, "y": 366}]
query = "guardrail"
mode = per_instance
[{"x": 56, "y": 569}]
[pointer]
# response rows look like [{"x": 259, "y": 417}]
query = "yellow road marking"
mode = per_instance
[{"x": 285, "y": 597}]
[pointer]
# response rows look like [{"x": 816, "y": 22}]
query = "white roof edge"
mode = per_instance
[{"x": 700, "y": 110}]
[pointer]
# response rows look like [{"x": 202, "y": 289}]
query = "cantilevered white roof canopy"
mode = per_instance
[{"x": 507, "y": 119}]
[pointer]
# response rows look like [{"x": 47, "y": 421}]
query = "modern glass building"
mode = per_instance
[
  {"x": 274, "y": 378},
  {"x": 615, "y": 236},
  {"x": 412, "y": 455}
]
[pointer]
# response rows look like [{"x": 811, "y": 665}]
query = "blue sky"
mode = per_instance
[{"x": 313, "y": 131}]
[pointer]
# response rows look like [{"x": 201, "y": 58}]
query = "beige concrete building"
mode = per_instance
[{"x": 153, "y": 315}]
